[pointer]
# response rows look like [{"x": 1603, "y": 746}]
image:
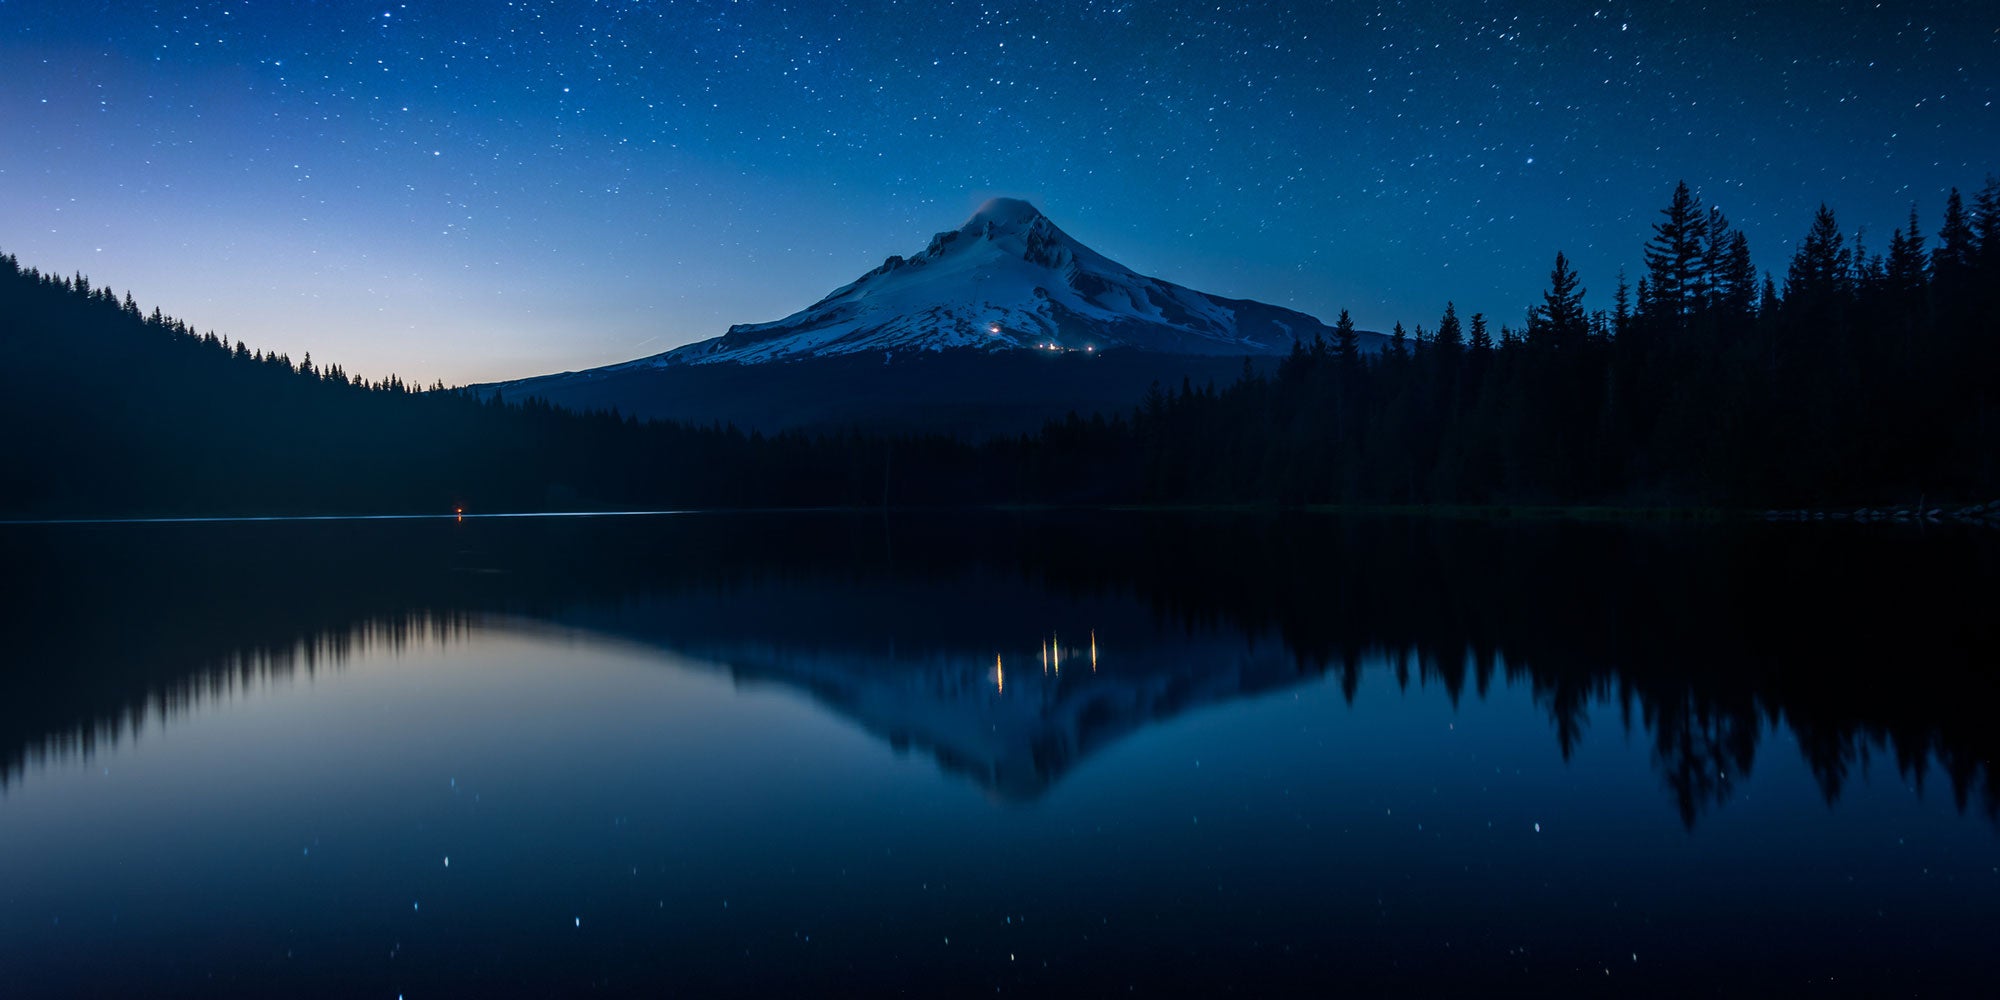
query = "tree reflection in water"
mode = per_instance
[{"x": 1863, "y": 641}]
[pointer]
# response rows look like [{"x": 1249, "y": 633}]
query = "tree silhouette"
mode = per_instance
[
  {"x": 1675, "y": 261},
  {"x": 1559, "y": 320}
]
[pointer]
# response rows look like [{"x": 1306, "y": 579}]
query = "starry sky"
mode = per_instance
[{"x": 470, "y": 192}]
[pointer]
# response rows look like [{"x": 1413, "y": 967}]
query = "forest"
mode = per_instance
[{"x": 1855, "y": 377}]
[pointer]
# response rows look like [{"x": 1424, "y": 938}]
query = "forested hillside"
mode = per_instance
[
  {"x": 1856, "y": 377},
  {"x": 112, "y": 411}
]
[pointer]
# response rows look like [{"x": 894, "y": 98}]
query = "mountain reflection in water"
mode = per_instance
[{"x": 1010, "y": 648}]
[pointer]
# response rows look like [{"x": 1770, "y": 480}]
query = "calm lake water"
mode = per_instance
[{"x": 1144, "y": 754}]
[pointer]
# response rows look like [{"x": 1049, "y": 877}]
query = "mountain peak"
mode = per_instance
[
  {"x": 1007, "y": 279},
  {"x": 1003, "y": 213}
]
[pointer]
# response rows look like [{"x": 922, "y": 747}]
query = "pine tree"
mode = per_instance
[
  {"x": 1481, "y": 340},
  {"x": 1295, "y": 365},
  {"x": 1600, "y": 327},
  {"x": 1739, "y": 278},
  {"x": 1708, "y": 295},
  {"x": 1621, "y": 306},
  {"x": 1906, "y": 271},
  {"x": 1450, "y": 337},
  {"x": 1559, "y": 322},
  {"x": 1986, "y": 224},
  {"x": 1859, "y": 278},
  {"x": 1347, "y": 343},
  {"x": 1674, "y": 260},
  {"x": 1957, "y": 248},
  {"x": 1821, "y": 270}
]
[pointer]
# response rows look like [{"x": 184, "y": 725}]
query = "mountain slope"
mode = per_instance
[
  {"x": 953, "y": 339},
  {"x": 1008, "y": 279}
]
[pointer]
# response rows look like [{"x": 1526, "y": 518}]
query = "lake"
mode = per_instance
[{"x": 1143, "y": 753}]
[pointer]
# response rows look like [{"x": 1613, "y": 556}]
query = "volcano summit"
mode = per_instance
[
  {"x": 953, "y": 327},
  {"x": 1008, "y": 278}
]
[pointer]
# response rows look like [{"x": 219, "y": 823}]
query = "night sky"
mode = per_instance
[{"x": 469, "y": 192}]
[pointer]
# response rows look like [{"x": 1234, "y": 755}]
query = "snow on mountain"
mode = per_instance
[
  {"x": 1015, "y": 720},
  {"x": 1007, "y": 279},
  {"x": 997, "y": 327}
]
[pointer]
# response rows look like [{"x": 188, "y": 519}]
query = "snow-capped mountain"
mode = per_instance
[
  {"x": 1007, "y": 279},
  {"x": 997, "y": 327}
]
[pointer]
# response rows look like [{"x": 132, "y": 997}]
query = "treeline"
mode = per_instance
[
  {"x": 110, "y": 411},
  {"x": 1857, "y": 377}
]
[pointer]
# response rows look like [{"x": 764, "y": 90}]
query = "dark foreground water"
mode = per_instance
[{"x": 1118, "y": 753}]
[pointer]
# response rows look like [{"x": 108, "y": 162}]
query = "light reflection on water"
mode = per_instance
[{"x": 799, "y": 771}]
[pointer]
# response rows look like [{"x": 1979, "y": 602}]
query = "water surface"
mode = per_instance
[{"x": 1156, "y": 754}]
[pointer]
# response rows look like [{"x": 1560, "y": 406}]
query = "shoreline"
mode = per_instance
[{"x": 1976, "y": 514}]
